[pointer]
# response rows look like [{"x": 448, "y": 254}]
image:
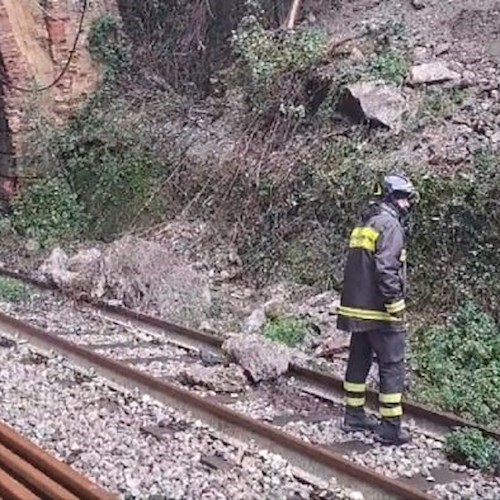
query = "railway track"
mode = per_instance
[
  {"x": 139, "y": 364},
  {"x": 28, "y": 473}
]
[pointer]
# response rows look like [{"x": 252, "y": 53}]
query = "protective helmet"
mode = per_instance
[{"x": 396, "y": 186}]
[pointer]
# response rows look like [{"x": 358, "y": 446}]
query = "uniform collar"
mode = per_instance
[{"x": 390, "y": 209}]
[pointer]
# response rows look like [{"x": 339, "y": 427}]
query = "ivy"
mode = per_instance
[
  {"x": 49, "y": 211},
  {"x": 458, "y": 365},
  {"x": 470, "y": 447},
  {"x": 269, "y": 61},
  {"x": 106, "y": 45}
]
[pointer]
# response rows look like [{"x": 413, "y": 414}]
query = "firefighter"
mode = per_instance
[{"x": 372, "y": 308}]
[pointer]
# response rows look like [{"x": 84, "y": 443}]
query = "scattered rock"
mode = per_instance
[
  {"x": 356, "y": 495},
  {"x": 32, "y": 245},
  {"x": 261, "y": 359},
  {"x": 495, "y": 137},
  {"x": 320, "y": 312},
  {"x": 442, "y": 48},
  {"x": 357, "y": 56},
  {"x": 7, "y": 343},
  {"x": 209, "y": 358},
  {"x": 432, "y": 72},
  {"x": 333, "y": 346},
  {"x": 215, "y": 378},
  {"x": 379, "y": 103},
  {"x": 418, "y": 4},
  {"x": 255, "y": 322}
]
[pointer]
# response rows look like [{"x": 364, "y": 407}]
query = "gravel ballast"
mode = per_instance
[
  {"x": 98, "y": 430},
  {"x": 423, "y": 459}
]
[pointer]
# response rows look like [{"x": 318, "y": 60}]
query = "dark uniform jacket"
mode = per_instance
[{"x": 374, "y": 290}]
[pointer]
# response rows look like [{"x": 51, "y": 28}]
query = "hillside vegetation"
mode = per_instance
[{"x": 212, "y": 111}]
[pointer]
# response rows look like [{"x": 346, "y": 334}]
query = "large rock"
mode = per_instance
[
  {"x": 261, "y": 359},
  {"x": 81, "y": 275},
  {"x": 147, "y": 276},
  {"x": 432, "y": 72},
  {"x": 376, "y": 102}
]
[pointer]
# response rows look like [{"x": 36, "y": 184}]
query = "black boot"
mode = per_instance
[
  {"x": 357, "y": 420},
  {"x": 390, "y": 432}
]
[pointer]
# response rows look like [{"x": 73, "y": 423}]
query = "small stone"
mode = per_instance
[
  {"x": 255, "y": 322},
  {"x": 418, "y": 4},
  {"x": 442, "y": 48},
  {"x": 430, "y": 479},
  {"x": 206, "y": 326},
  {"x": 356, "y": 495},
  {"x": 209, "y": 358},
  {"x": 357, "y": 55},
  {"x": 469, "y": 76},
  {"x": 495, "y": 137},
  {"x": 32, "y": 245}
]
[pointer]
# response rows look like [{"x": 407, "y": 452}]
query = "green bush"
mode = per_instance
[
  {"x": 13, "y": 291},
  {"x": 49, "y": 211},
  {"x": 458, "y": 365},
  {"x": 470, "y": 447},
  {"x": 390, "y": 65},
  {"x": 457, "y": 234},
  {"x": 269, "y": 61},
  {"x": 109, "y": 166},
  {"x": 106, "y": 46},
  {"x": 289, "y": 331}
]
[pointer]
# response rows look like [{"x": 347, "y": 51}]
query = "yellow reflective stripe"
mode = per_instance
[
  {"x": 355, "y": 401},
  {"x": 396, "y": 306},
  {"x": 390, "y": 398},
  {"x": 354, "y": 312},
  {"x": 364, "y": 237},
  {"x": 397, "y": 411},
  {"x": 353, "y": 387}
]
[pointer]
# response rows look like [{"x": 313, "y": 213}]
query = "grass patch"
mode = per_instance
[
  {"x": 13, "y": 291},
  {"x": 287, "y": 330},
  {"x": 458, "y": 365},
  {"x": 441, "y": 104},
  {"x": 470, "y": 447},
  {"x": 390, "y": 65}
]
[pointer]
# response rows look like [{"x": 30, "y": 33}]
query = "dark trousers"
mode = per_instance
[{"x": 389, "y": 346}]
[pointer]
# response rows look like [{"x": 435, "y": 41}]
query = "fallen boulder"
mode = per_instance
[
  {"x": 376, "y": 102},
  {"x": 81, "y": 275},
  {"x": 261, "y": 359}
]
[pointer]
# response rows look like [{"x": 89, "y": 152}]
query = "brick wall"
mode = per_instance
[{"x": 35, "y": 42}]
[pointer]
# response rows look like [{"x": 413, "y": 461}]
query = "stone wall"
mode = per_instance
[{"x": 36, "y": 38}]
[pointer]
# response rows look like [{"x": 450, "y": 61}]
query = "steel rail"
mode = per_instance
[
  {"x": 28, "y": 472},
  {"x": 315, "y": 382},
  {"x": 315, "y": 460}
]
